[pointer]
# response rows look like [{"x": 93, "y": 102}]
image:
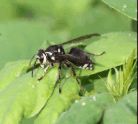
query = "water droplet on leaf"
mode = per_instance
[
  {"x": 83, "y": 104},
  {"x": 124, "y": 7}
]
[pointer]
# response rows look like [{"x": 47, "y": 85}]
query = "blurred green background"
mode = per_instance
[{"x": 27, "y": 25}]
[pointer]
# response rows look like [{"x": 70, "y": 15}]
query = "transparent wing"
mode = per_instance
[{"x": 80, "y": 39}]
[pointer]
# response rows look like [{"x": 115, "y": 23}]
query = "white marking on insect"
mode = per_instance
[
  {"x": 87, "y": 68},
  {"x": 59, "y": 50},
  {"x": 44, "y": 56},
  {"x": 90, "y": 65},
  {"x": 49, "y": 53},
  {"x": 53, "y": 58},
  {"x": 80, "y": 66},
  {"x": 85, "y": 65},
  {"x": 91, "y": 68}
]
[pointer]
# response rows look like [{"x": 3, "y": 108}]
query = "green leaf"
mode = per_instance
[
  {"x": 95, "y": 83},
  {"x": 126, "y": 7},
  {"x": 25, "y": 97},
  {"x": 88, "y": 110},
  {"x": 99, "y": 18},
  {"x": 119, "y": 85},
  {"x": 117, "y": 46},
  {"x": 124, "y": 112},
  {"x": 59, "y": 102},
  {"x": 11, "y": 71}
]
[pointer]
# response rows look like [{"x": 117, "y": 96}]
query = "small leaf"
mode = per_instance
[
  {"x": 88, "y": 110},
  {"x": 119, "y": 86},
  {"x": 126, "y": 7},
  {"x": 59, "y": 102},
  {"x": 11, "y": 71},
  {"x": 25, "y": 97},
  {"x": 124, "y": 112},
  {"x": 110, "y": 80}
]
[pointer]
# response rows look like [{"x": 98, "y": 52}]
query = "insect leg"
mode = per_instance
[
  {"x": 53, "y": 89},
  {"x": 74, "y": 74},
  {"x": 82, "y": 90},
  {"x": 45, "y": 72},
  {"x": 59, "y": 77}
]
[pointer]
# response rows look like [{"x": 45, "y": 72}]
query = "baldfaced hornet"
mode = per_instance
[{"x": 56, "y": 54}]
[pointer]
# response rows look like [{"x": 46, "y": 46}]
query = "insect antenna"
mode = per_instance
[
  {"x": 29, "y": 65},
  {"x": 31, "y": 60},
  {"x": 34, "y": 67}
]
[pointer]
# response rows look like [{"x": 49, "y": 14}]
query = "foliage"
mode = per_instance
[
  {"x": 94, "y": 106},
  {"x": 26, "y": 26},
  {"x": 127, "y": 8},
  {"x": 124, "y": 77},
  {"x": 112, "y": 57},
  {"x": 123, "y": 112}
]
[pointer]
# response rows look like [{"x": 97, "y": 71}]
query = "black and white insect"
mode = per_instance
[{"x": 56, "y": 54}]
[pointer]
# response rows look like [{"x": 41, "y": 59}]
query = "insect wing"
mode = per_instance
[{"x": 80, "y": 39}]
